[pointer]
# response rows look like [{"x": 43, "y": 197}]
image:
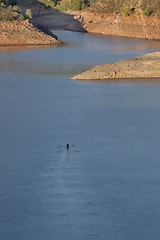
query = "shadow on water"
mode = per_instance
[
  {"x": 58, "y": 20},
  {"x": 37, "y": 68},
  {"x": 14, "y": 49},
  {"x": 144, "y": 82}
]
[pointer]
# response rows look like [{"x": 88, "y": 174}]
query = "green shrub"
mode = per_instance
[
  {"x": 21, "y": 17},
  {"x": 63, "y": 6},
  {"x": 47, "y": 3},
  {"x": 83, "y": 6},
  {"x": 9, "y": 14},
  {"x": 28, "y": 14},
  {"x": 91, "y": 21},
  {"x": 76, "y": 5},
  {"x": 158, "y": 14},
  {"x": 126, "y": 11},
  {"x": 52, "y": 4},
  {"x": 146, "y": 13},
  {"x": 16, "y": 9},
  {"x": 2, "y": 4}
]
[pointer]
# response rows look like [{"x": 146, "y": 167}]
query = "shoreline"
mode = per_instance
[
  {"x": 81, "y": 21},
  {"x": 24, "y": 33},
  {"x": 133, "y": 26},
  {"x": 68, "y": 20},
  {"x": 142, "y": 67}
]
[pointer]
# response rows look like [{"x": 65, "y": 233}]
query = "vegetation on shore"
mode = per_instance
[
  {"x": 128, "y": 7},
  {"x": 124, "y": 7},
  {"x": 64, "y": 5},
  {"x": 9, "y": 11},
  {"x": 17, "y": 27}
]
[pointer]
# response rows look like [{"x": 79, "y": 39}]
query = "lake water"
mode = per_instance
[{"x": 107, "y": 184}]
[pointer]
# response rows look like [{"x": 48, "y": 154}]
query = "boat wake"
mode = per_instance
[{"x": 68, "y": 147}]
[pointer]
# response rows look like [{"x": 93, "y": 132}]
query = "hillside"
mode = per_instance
[
  {"x": 23, "y": 33},
  {"x": 117, "y": 6},
  {"x": 17, "y": 27},
  {"x": 136, "y": 18}
]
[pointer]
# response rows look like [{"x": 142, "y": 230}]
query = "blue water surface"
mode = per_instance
[{"x": 106, "y": 185}]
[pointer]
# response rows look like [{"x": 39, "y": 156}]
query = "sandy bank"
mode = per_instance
[{"x": 146, "y": 66}]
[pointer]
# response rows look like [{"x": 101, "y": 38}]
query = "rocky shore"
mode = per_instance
[
  {"x": 24, "y": 33},
  {"x": 134, "y": 26},
  {"x": 143, "y": 67}
]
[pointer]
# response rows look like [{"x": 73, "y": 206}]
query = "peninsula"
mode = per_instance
[
  {"x": 143, "y": 67},
  {"x": 17, "y": 27},
  {"x": 24, "y": 33}
]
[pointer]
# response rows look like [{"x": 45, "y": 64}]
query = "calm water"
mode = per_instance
[{"x": 106, "y": 186}]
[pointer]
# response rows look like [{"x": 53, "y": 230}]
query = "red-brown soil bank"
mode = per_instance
[
  {"x": 136, "y": 26},
  {"x": 23, "y": 33}
]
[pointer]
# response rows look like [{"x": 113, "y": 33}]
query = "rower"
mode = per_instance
[{"x": 67, "y": 145}]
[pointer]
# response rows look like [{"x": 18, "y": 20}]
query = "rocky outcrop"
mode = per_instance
[
  {"x": 147, "y": 66},
  {"x": 24, "y": 33},
  {"x": 57, "y": 20}
]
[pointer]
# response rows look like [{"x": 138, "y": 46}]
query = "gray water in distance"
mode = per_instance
[{"x": 107, "y": 185}]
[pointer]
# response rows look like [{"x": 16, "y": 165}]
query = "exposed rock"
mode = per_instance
[
  {"x": 147, "y": 66},
  {"x": 103, "y": 17},
  {"x": 76, "y": 26},
  {"x": 77, "y": 23},
  {"x": 55, "y": 20},
  {"x": 24, "y": 33},
  {"x": 136, "y": 26},
  {"x": 69, "y": 20}
]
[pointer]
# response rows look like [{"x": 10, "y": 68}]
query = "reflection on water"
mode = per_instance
[
  {"x": 147, "y": 82},
  {"x": 121, "y": 43},
  {"x": 38, "y": 68},
  {"x": 14, "y": 49},
  {"x": 105, "y": 188}
]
